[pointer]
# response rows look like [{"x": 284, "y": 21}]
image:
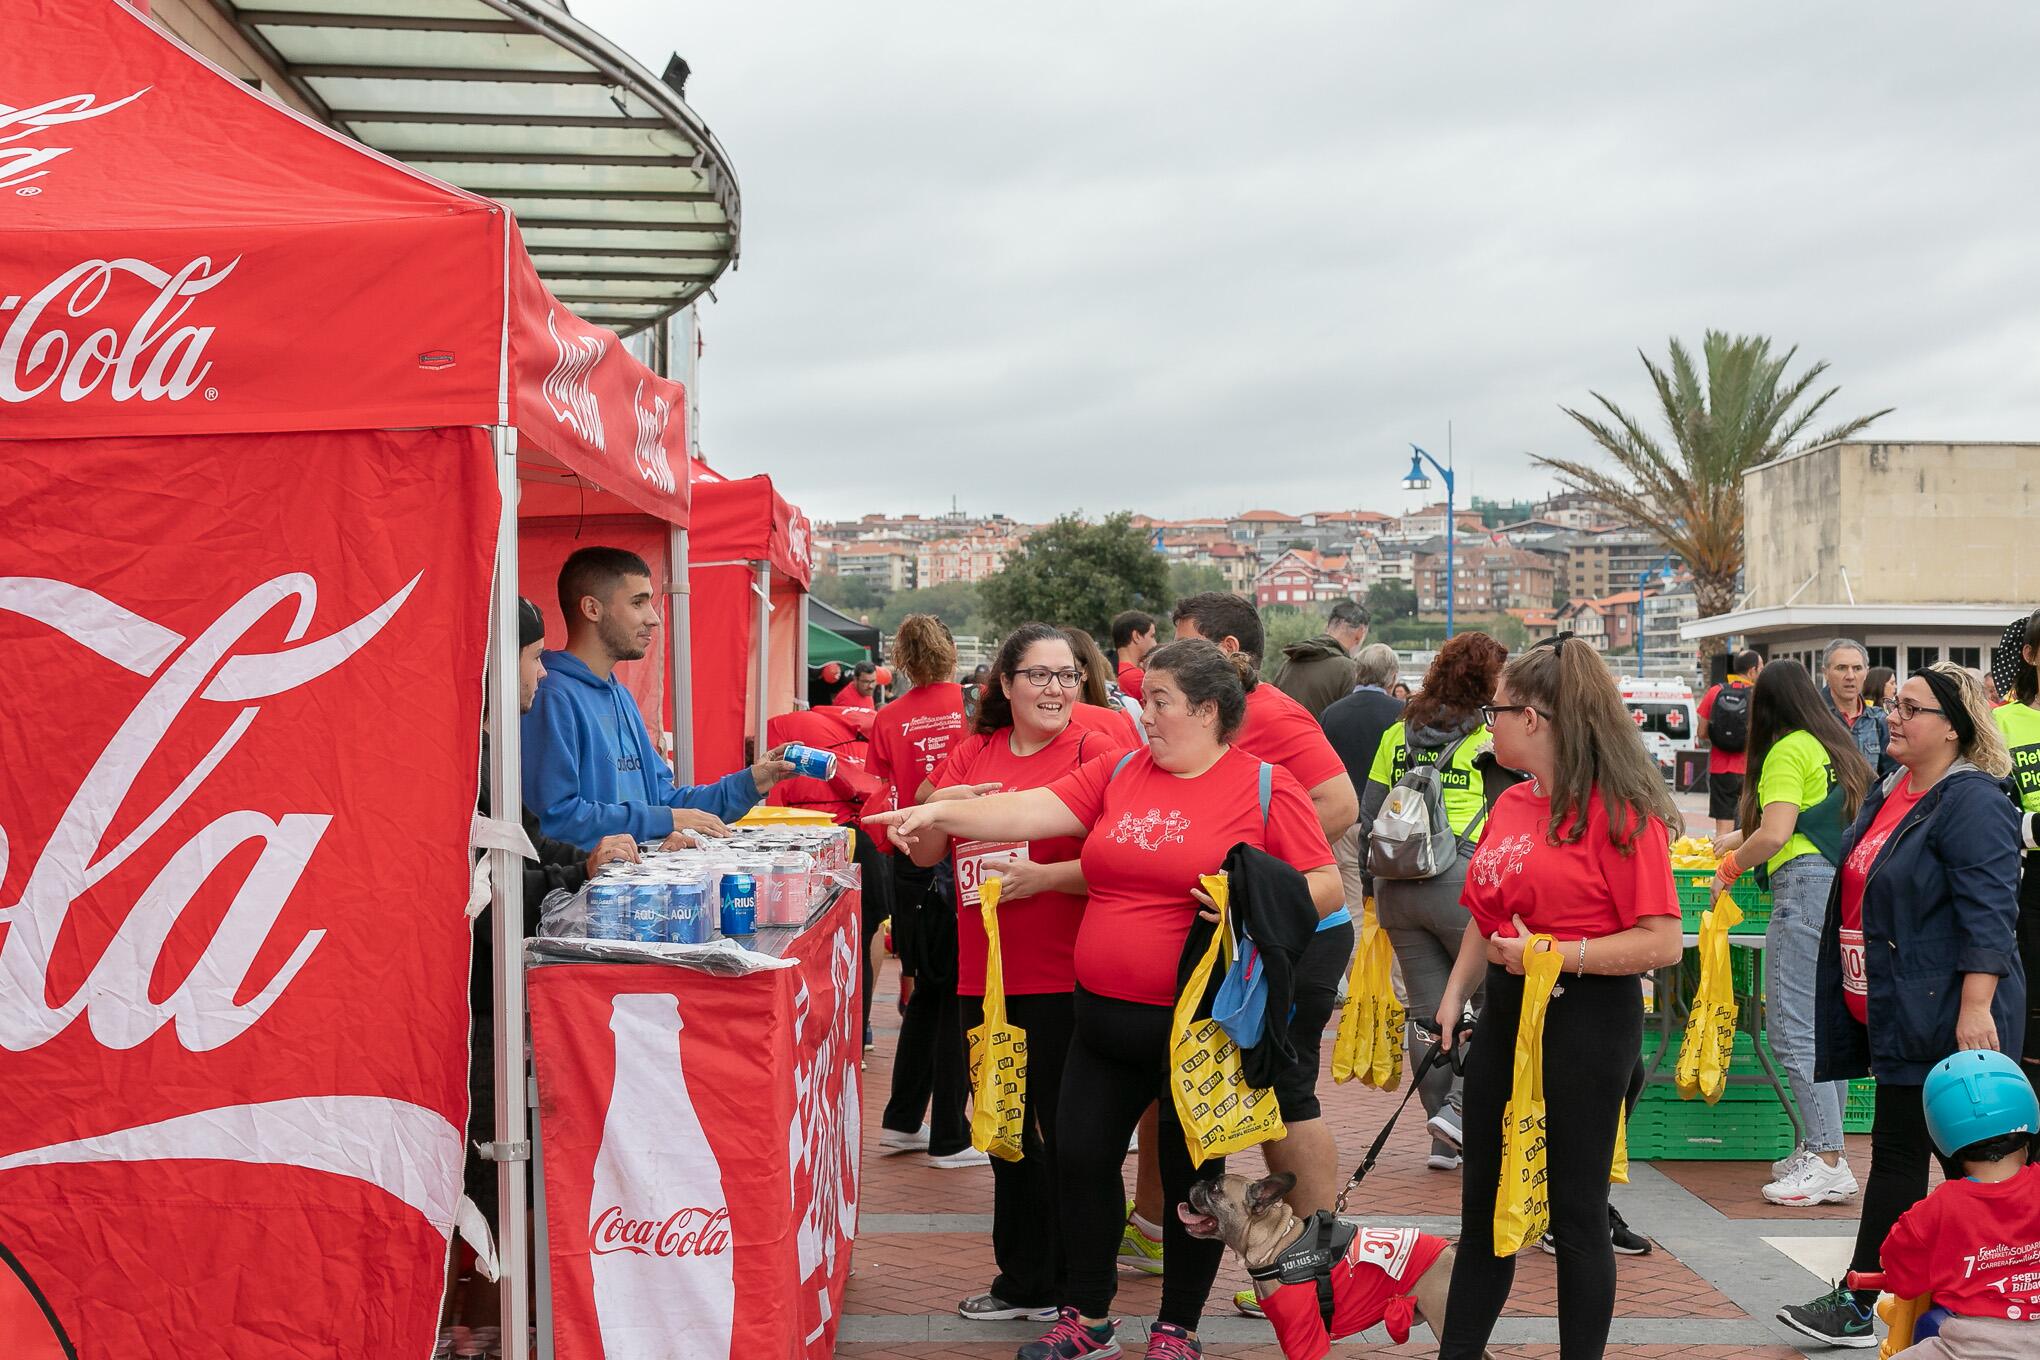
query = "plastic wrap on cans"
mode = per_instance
[
  {"x": 687, "y": 920},
  {"x": 814, "y": 764},
  {"x": 786, "y": 900},
  {"x": 739, "y": 904},
  {"x": 646, "y": 921}
]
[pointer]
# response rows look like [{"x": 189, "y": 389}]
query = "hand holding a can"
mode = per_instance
[
  {"x": 689, "y": 825},
  {"x": 771, "y": 768}
]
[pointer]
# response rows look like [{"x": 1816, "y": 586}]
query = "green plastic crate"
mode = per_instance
[
  {"x": 1860, "y": 1111},
  {"x": 1747, "y": 1125},
  {"x": 1696, "y": 894}
]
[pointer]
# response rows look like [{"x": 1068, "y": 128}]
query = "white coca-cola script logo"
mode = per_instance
[
  {"x": 568, "y": 390},
  {"x": 153, "y": 358},
  {"x": 208, "y": 1008},
  {"x": 798, "y": 545},
  {"x": 684, "y": 1232},
  {"x": 822, "y": 1139},
  {"x": 20, "y": 164},
  {"x": 650, "y": 451}
]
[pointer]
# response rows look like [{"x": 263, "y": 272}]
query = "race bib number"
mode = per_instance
[
  {"x": 1388, "y": 1249},
  {"x": 1854, "y": 979},
  {"x": 975, "y": 860}
]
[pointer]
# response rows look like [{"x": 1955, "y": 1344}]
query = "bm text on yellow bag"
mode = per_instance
[
  {"x": 1523, "y": 1199},
  {"x": 1220, "y": 1113},
  {"x": 998, "y": 1054},
  {"x": 1370, "y": 1042},
  {"x": 1709, "y": 1042}
]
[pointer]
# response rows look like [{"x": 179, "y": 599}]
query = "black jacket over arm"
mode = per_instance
[{"x": 1271, "y": 902}]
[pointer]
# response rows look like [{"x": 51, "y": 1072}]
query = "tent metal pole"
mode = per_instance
[
  {"x": 512, "y": 1147},
  {"x": 800, "y": 662},
  {"x": 763, "y": 585},
  {"x": 679, "y": 638}
]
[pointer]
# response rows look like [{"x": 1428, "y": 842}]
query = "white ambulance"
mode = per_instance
[{"x": 1666, "y": 716}]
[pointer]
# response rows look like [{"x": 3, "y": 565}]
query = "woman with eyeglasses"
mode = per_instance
[
  {"x": 909, "y": 738},
  {"x": 1579, "y": 854},
  {"x": 1022, "y": 739},
  {"x": 1151, "y": 823},
  {"x": 1441, "y": 727},
  {"x": 1805, "y": 782},
  {"x": 1919, "y": 957}
]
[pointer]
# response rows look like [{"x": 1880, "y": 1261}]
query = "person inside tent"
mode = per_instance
[
  {"x": 590, "y": 769},
  {"x": 859, "y": 689}
]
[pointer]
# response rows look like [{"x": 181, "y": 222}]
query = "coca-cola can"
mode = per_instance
[
  {"x": 645, "y": 921},
  {"x": 608, "y": 905},
  {"x": 811, "y": 762}
]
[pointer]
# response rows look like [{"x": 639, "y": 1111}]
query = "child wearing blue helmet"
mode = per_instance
[{"x": 1974, "y": 1243}]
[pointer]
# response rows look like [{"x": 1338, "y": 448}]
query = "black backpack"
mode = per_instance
[{"x": 1728, "y": 726}]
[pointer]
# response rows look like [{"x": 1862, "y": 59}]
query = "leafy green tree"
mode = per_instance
[
  {"x": 1081, "y": 574},
  {"x": 957, "y": 603},
  {"x": 1282, "y": 624},
  {"x": 852, "y": 594},
  {"x": 1388, "y": 601},
  {"x": 1741, "y": 411},
  {"x": 1193, "y": 578}
]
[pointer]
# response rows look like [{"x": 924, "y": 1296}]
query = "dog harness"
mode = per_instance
[
  {"x": 1322, "y": 1246},
  {"x": 1356, "y": 1276}
]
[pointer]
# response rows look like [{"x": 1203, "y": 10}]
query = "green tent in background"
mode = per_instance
[{"x": 824, "y": 646}]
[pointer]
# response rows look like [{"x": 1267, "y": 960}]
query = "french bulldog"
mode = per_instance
[{"x": 1253, "y": 1219}]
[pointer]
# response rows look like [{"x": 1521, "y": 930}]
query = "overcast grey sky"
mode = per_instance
[{"x": 1196, "y": 258}]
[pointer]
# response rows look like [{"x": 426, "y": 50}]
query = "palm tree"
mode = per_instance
[{"x": 1746, "y": 412}]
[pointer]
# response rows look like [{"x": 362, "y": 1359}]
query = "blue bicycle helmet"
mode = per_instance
[{"x": 1975, "y": 1095}]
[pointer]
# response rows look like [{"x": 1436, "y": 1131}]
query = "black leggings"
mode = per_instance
[
  {"x": 877, "y": 903},
  {"x": 1899, "y": 1148},
  {"x": 1119, "y": 1065},
  {"x": 930, "y": 1072},
  {"x": 1026, "y": 1215},
  {"x": 1594, "y": 1031}
]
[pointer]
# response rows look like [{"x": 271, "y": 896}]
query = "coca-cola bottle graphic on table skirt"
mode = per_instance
[
  {"x": 659, "y": 1230},
  {"x": 29, "y": 1329}
]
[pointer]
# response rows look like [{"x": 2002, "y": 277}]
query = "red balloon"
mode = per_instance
[
  {"x": 884, "y": 676},
  {"x": 832, "y": 671}
]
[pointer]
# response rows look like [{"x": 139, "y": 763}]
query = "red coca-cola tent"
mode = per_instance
[
  {"x": 750, "y": 561},
  {"x": 264, "y": 400}
]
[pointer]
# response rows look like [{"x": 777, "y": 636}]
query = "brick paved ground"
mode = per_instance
[{"x": 1709, "y": 1289}]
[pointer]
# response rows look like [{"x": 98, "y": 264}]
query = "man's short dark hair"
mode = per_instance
[
  {"x": 1745, "y": 662},
  {"x": 1126, "y": 625},
  {"x": 596, "y": 571},
  {"x": 1352, "y": 613},
  {"x": 1219, "y": 616},
  {"x": 864, "y": 668}
]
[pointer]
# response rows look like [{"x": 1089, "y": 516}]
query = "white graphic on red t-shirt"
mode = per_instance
[
  {"x": 1498, "y": 859},
  {"x": 1152, "y": 831},
  {"x": 1865, "y": 853}
]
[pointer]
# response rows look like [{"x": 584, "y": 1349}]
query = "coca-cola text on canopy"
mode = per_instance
[{"x": 152, "y": 355}]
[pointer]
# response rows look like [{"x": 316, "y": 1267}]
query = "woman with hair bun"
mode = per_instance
[
  {"x": 1580, "y": 854},
  {"x": 1152, "y": 822}
]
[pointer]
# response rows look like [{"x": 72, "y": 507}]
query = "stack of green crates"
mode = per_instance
[
  {"x": 1746, "y": 1124},
  {"x": 1696, "y": 894}
]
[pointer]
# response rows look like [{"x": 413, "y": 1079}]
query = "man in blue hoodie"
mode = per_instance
[{"x": 590, "y": 769}]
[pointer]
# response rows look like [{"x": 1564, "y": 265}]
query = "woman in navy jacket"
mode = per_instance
[{"x": 1918, "y": 957}]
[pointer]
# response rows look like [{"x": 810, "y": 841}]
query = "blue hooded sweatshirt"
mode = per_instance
[{"x": 590, "y": 769}]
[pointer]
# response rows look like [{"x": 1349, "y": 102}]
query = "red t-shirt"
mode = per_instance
[
  {"x": 909, "y": 738},
  {"x": 1037, "y": 935},
  {"x": 851, "y": 697},
  {"x": 1855, "y": 877},
  {"x": 1974, "y": 1247},
  {"x": 1585, "y": 889},
  {"x": 1281, "y": 731},
  {"x": 1718, "y": 760},
  {"x": 1382, "y": 1266},
  {"x": 1152, "y": 834},
  {"x": 1114, "y": 723},
  {"x": 1130, "y": 677},
  {"x": 825, "y": 729}
]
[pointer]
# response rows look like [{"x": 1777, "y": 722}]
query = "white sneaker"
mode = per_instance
[
  {"x": 892, "y": 1141},
  {"x": 1442, "y": 1161},
  {"x": 1814, "y": 1183},
  {"x": 1782, "y": 1169},
  {"x": 967, "y": 1156},
  {"x": 1444, "y": 1127}
]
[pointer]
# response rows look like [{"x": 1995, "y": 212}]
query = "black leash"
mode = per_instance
[{"x": 1456, "y": 1059}]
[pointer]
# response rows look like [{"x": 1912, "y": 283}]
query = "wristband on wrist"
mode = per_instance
[
  {"x": 1727, "y": 868},
  {"x": 1583, "y": 956}
]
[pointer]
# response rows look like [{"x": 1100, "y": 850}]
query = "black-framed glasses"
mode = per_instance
[
  {"x": 1489, "y": 712},
  {"x": 1907, "y": 710},
  {"x": 1041, "y": 676}
]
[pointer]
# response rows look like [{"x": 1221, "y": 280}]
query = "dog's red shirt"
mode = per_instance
[{"x": 1370, "y": 1284}]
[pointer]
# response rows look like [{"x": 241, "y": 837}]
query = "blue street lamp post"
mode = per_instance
[{"x": 1419, "y": 481}]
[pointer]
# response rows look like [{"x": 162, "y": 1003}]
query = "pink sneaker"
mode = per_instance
[
  {"x": 1167, "y": 1341},
  {"x": 1070, "y": 1339}
]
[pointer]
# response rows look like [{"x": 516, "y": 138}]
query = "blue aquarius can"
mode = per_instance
[
  {"x": 686, "y": 912},
  {"x": 608, "y": 905},
  {"x": 739, "y": 905},
  {"x": 811, "y": 762},
  {"x": 645, "y": 916}
]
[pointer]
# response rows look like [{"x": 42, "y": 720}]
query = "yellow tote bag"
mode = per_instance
[
  {"x": 1618, "y": 1169},
  {"x": 998, "y": 1054},
  {"x": 1709, "y": 1042},
  {"x": 1221, "y": 1114},
  {"x": 1370, "y": 1042},
  {"x": 1523, "y": 1199}
]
